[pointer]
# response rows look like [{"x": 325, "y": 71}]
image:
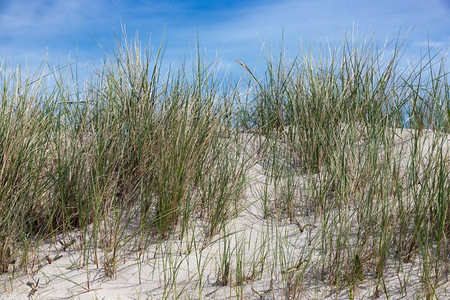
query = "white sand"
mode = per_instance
[{"x": 268, "y": 248}]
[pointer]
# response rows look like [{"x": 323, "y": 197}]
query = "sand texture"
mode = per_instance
[{"x": 260, "y": 253}]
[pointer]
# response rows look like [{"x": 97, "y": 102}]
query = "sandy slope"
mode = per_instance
[{"x": 264, "y": 253}]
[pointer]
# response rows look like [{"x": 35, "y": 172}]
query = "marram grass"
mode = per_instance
[{"x": 352, "y": 140}]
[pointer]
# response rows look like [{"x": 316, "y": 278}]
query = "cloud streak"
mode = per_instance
[{"x": 236, "y": 30}]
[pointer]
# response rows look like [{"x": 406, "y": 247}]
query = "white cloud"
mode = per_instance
[
  {"x": 442, "y": 44},
  {"x": 34, "y": 26},
  {"x": 48, "y": 17}
]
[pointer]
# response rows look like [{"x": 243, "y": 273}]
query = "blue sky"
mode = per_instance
[{"x": 32, "y": 30}]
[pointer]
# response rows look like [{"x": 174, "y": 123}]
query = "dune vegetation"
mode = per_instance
[{"x": 325, "y": 176}]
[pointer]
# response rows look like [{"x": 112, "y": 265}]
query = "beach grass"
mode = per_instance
[{"x": 349, "y": 149}]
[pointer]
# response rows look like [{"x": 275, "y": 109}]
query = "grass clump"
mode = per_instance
[
  {"x": 370, "y": 140},
  {"x": 132, "y": 145}
]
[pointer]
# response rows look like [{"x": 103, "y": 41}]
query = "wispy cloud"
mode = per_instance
[
  {"x": 236, "y": 29},
  {"x": 49, "y": 17},
  {"x": 441, "y": 44}
]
